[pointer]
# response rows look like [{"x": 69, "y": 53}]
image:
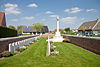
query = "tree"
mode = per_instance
[
  {"x": 67, "y": 29},
  {"x": 38, "y": 26},
  {"x": 11, "y": 27},
  {"x": 19, "y": 29},
  {"x": 83, "y": 28}
]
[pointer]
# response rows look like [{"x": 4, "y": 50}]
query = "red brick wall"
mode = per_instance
[
  {"x": 90, "y": 44},
  {"x": 4, "y": 45}
]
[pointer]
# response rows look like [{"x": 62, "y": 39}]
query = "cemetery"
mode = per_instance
[
  {"x": 69, "y": 55},
  {"x": 58, "y": 51},
  {"x": 17, "y": 46},
  {"x": 35, "y": 46}
]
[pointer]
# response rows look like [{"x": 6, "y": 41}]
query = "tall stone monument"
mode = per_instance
[
  {"x": 57, "y": 33},
  {"x": 57, "y": 37}
]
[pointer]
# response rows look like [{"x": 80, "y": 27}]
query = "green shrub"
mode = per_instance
[
  {"x": 66, "y": 40},
  {"x": 54, "y": 53},
  {"x": 22, "y": 49},
  {"x": 0, "y": 55},
  {"x": 52, "y": 49},
  {"x": 14, "y": 53},
  {"x": 6, "y": 32},
  {"x": 35, "y": 40},
  {"x": 18, "y": 50},
  {"x": 51, "y": 42},
  {"x": 27, "y": 46},
  {"x": 96, "y": 35},
  {"x": 75, "y": 33},
  {"x": 6, "y": 54}
]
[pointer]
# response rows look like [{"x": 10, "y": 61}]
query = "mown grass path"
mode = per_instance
[{"x": 69, "y": 56}]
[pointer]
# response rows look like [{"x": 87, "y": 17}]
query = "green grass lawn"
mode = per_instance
[{"x": 69, "y": 56}]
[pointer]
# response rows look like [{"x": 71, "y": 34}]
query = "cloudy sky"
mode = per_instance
[{"x": 72, "y": 13}]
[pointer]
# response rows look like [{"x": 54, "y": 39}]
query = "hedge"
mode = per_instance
[{"x": 6, "y": 32}]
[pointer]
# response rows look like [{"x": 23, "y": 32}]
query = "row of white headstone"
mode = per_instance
[{"x": 15, "y": 45}]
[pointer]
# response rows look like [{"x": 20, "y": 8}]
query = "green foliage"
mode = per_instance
[
  {"x": 66, "y": 40},
  {"x": 38, "y": 26},
  {"x": 22, "y": 49},
  {"x": 83, "y": 28},
  {"x": 6, "y": 54},
  {"x": 51, "y": 42},
  {"x": 52, "y": 48},
  {"x": 96, "y": 35},
  {"x": 52, "y": 32},
  {"x": 62, "y": 32},
  {"x": 70, "y": 55},
  {"x": 6, "y": 32},
  {"x": 18, "y": 50},
  {"x": 75, "y": 33},
  {"x": 0, "y": 55},
  {"x": 19, "y": 29},
  {"x": 67, "y": 29},
  {"x": 11, "y": 27},
  {"x": 27, "y": 45},
  {"x": 14, "y": 53}
]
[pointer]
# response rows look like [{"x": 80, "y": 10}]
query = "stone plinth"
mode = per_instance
[{"x": 57, "y": 37}]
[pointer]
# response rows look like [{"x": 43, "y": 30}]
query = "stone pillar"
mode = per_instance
[
  {"x": 57, "y": 37},
  {"x": 57, "y": 23},
  {"x": 57, "y": 33}
]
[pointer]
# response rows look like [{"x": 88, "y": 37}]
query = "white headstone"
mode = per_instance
[{"x": 10, "y": 47}]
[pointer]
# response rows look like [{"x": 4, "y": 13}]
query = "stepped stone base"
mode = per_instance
[{"x": 57, "y": 39}]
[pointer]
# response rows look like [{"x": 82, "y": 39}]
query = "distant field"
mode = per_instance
[{"x": 70, "y": 56}]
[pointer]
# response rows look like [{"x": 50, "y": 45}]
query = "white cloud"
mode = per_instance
[
  {"x": 12, "y": 8},
  {"x": 49, "y": 12},
  {"x": 14, "y": 20},
  {"x": 29, "y": 18},
  {"x": 73, "y": 10},
  {"x": 32, "y": 5},
  {"x": 67, "y": 10},
  {"x": 82, "y": 18},
  {"x": 69, "y": 19},
  {"x": 53, "y": 16},
  {"x": 91, "y": 10},
  {"x": 11, "y": 5},
  {"x": 43, "y": 19}
]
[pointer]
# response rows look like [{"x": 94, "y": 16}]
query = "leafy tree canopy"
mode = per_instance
[
  {"x": 11, "y": 27},
  {"x": 67, "y": 29},
  {"x": 38, "y": 26},
  {"x": 19, "y": 29},
  {"x": 83, "y": 27}
]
